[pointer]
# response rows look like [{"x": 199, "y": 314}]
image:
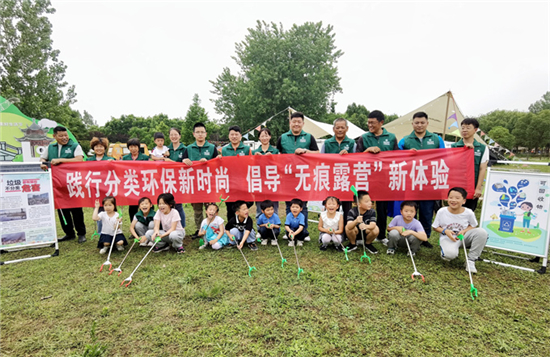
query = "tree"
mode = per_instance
[
  {"x": 195, "y": 114},
  {"x": 279, "y": 68},
  {"x": 30, "y": 69},
  {"x": 533, "y": 130},
  {"x": 504, "y": 118},
  {"x": 541, "y": 105},
  {"x": 503, "y": 137}
]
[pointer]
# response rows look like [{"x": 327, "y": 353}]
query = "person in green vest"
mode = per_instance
[
  {"x": 133, "y": 146},
  {"x": 200, "y": 151},
  {"x": 66, "y": 150},
  {"x": 296, "y": 141},
  {"x": 175, "y": 149},
  {"x": 422, "y": 139},
  {"x": 340, "y": 144},
  {"x": 100, "y": 147},
  {"x": 376, "y": 140},
  {"x": 265, "y": 148},
  {"x": 468, "y": 129},
  {"x": 235, "y": 148}
]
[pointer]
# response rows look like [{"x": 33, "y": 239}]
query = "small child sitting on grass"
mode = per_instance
[
  {"x": 110, "y": 220},
  {"x": 240, "y": 226},
  {"x": 405, "y": 226},
  {"x": 455, "y": 220},
  {"x": 143, "y": 221},
  {"x": 331, "y": 224},
  {"x": 295, "y": 223},
  {"x": 269, "y": 223},
  {"x": 361, "y": 222},
  {"x": 213, "y": 230},
  {"x": 167, "y": 226}
]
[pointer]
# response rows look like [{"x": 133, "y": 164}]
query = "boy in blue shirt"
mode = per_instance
[
  {"x": 268, "y": 221},
  {"x": 295, "y": 223},
  {"x": 405, "y": 226}
]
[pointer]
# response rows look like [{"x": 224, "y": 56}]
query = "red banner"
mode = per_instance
[{"x": 388, "y": 176}]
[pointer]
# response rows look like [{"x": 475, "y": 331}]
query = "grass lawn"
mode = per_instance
[{"x": 203, "y": 303}]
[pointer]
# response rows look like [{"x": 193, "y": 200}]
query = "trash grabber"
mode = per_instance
[
  {"x": 341, "y": 245},
  {"x": 129, "y": 250},
  {"x": 201, "y": 241},
  {"x": 95, "y": 233},
  {"x": 473, "y": 290},
  {"x": 129, "y": 279},
  {"x": 283, "y": 260},
  {"x": 300, "y": 270},
  {"x": 107, "y": 262},
  {"x": 354, "y": 190},
  {"x": 416, "y": 273},
  {"x": 246, "y": 261}
]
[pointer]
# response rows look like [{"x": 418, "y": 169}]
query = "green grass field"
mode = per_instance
[{"x": 203, "y": 303}]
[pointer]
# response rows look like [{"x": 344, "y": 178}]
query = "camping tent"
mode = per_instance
[
  {"x": 443, "y": 114},
  {"x": 319, "y": 129},
  {"x": 23, "y": 138}
]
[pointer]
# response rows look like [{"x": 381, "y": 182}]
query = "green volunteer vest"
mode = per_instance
[
  {"x": 145, "y": 220},
  {"x": 105, "y": 157},
  {"x": 176, "y": 155},
  {"x": 479, "y": 150},
  {"x": 195, "y": 152},
  {"x": 332, "y": 146},
  {"x": 430, "y": 141},
  {"x": 384, "y": 142},
  {"x": 291, "y": 142},
  {"x": 241, "y": 150},
  {"x": 67, "y": 151},
  {"x": 271, "y": 149},
  {"x": 141, "y": 157}
]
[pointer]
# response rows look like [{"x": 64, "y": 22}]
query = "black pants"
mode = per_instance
[
  {"x": 132, "y": 210},
  {"x": 382, "y": 217},
  {"x": 471, "y": 204},
  {"x": 75, "y": 219}
]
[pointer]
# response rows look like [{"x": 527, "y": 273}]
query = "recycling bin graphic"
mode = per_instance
[{"x": 507, "y": 223}]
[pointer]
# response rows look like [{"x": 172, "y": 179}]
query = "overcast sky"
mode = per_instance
[{"x": 145, "y": 58}]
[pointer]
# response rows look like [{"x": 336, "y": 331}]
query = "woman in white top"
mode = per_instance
[{"x": 331, "y": 224}]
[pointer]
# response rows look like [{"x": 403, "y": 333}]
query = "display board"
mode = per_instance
[{"x": 27, "y": 215}]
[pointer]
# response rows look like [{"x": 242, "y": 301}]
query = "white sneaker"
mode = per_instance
[
  {"x": 472, "y": 265},
  {"x": 273, "y": 242},
  {"x": 306, "y": 239},
  {"x": 390, "y": 251},
  {"x": 150, "y": 244},
  {"x": 285, "y": 237},
  {"x": 445, "y": 258},
  {"x": 291, "y": 243},
  {"x": 144, "y": 244},
  {"x": 413, "y": 254},
  {"x": 258, "y": 235},
  {"x": 264, "y": 241},
  {"x": 103, "y": 250},
  {"x": 203, "y": 246},
  {"x": 300, "y": 243},
  {"x": 383, "y": 241},
  {"x": 120, "y": 247}
]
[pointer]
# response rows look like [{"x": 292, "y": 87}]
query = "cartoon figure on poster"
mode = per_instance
[{"x": 512, "y": 204}]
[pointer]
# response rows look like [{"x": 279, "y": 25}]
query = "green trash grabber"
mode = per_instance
[
  {"x": 283, "y": 260},
  {"x": 354, "y": 190},
  {"x": 120, "y": 266},
  {"x": 416, "y": 273},
  {"x": 129, "y": 279},
  {"x": 95, "y": 233},
  {"x": 108, "y": 262},
  {"x": 473, "y": 290},
  {"x": 300, "y": 270},
  {"x": 250, "y": 268}
]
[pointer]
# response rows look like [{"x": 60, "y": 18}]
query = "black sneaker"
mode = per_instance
[
  {"x": 351, "y": 247},
  {"x": 65, "y": 238},
  {"x": 427, "y": 244},
  {"x": 323, "y": 247},
  {"x": 81, "y": 239},
  {"x": 195, "y": 235},
  {"x": 371, "y": 248},
  {"x": 157, "y": 249},
  {"x": 252, "y": 246},
  {"x": 339, "y": 248}
]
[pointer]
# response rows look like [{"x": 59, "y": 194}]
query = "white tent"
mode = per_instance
[
  {"x": 319, "y": 129},
  {"x": 443, "y": 114}
]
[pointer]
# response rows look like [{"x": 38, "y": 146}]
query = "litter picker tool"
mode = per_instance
[
  {"x": 283, "y": 260},
  {"x": 354, "y": 190},
  {"x": 416, "y": 273},
  {"x": 473, "y": 290},
  {"x": 129, "y": 250},
  {"x": 344, "y": 249},
  {"x": 246, "y": 261},
  {"x": 129, "y": 279},
  {"x": 300, "y": 270},
  {"x": 95, "y": 233},
  {"x": 107, "y": 262}
]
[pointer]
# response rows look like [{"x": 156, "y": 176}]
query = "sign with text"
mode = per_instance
[{"x": 388, "y": 176}]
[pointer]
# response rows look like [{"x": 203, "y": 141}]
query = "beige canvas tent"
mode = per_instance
[{"x": 443, "y": 114}]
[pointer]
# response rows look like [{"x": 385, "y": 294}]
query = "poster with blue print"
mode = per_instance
[{"x": 515, "y": 211}]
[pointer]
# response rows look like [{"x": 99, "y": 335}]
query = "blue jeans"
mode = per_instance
[
  {"x": 425, "y": 215},
  {"x": 179, "y": 208},
  {"x": 239, "y": 235}
]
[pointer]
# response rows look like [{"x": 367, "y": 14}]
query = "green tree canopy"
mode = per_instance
[
  {"x": 279, "y": 68},
  {"x": 195, "y": 114},
  {"x": 503, "y": 137},
  {"x": 504, "y": 118},
  {"x": 541, "y": 105},
  {"x": 30, "y": 69},
  {"x": 533, "y": 130}
]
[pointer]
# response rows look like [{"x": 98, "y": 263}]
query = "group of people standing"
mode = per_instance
[{"x": 295, "y": 141}]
